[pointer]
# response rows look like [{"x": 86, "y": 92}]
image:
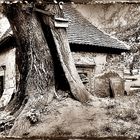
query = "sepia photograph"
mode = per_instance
[{"x": 69, "y": 69}]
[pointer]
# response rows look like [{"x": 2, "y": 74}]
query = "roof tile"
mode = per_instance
[{"x": 81, "y": 31}]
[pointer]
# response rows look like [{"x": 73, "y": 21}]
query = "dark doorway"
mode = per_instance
[{"x": 1, "y": 85}]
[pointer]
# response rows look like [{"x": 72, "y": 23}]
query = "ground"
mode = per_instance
[{"x": 102, "y": 117}]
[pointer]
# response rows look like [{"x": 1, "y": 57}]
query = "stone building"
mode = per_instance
[{"x": 94, "y": 53}]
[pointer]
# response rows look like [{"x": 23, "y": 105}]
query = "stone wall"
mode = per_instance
[{"x": 103, "y": 63}]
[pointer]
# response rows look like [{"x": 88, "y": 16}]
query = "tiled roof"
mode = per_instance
[{"x": 81, "y": 31}]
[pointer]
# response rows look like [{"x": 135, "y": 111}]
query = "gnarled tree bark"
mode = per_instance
[
  {"x": 42, "y": 58},
  {"x": 32, "y": 55},
  {"x": 37, "y": 83}
]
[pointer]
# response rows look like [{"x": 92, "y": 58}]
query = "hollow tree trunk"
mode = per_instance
[
  {"x": 35, "y": 63},
  {"x": 61, "y": 45}
]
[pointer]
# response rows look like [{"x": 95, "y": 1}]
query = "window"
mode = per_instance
[
  {"x": 86, "y": 76},
  {"x": 85, "y": 79}
]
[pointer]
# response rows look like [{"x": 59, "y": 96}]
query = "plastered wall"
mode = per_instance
[{"x": 7, "y": 59}]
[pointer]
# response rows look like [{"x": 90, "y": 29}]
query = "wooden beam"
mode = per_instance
[{"x": 42, "y": 11}]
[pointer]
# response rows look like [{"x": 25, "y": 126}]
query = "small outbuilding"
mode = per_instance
[{"x": 94, "y": 51}]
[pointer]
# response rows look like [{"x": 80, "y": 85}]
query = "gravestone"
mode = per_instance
[
  {"x": 109, "y": 85},
  {"x": 117, "y": 86}
]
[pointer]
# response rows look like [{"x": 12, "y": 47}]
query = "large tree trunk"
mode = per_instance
[
  {"x": 36, "y": 63},
  {"x": 32, "y": 55}
]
